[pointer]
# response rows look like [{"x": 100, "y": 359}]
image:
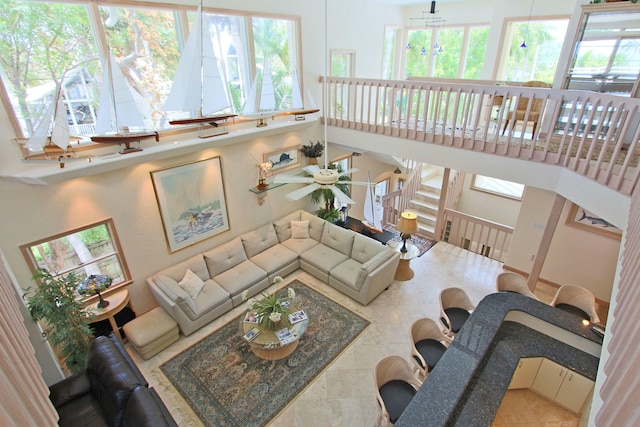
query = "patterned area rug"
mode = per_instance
[
  {"x": 227, "y": 385},
  {"x": 422, "y": 243}
]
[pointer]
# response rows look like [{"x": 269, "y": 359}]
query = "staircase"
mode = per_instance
[{"x": 426, "y": 201}]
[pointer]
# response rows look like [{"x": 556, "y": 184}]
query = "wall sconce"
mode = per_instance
[
  {"x": 397, "y": 171},
  {"x": 407, "y": 225}
]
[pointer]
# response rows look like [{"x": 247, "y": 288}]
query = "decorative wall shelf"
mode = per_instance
[{"x": 263, "y": 193}]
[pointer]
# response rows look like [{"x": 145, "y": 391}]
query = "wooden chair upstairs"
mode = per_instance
[
  {"x": 579, "y": 297},
  {"x": 513, "y": 282},
  {"x": 455, "y": 309},
  {"x": 521, "y": 113},
  {"x": 395, "y": 387},
  {"x": 428, "y": 346}
]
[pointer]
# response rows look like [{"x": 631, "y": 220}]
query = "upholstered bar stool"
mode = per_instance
[{"x": 152, "y": 332}]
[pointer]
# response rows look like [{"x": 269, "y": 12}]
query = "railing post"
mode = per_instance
[{"x": 444, "y": 191}]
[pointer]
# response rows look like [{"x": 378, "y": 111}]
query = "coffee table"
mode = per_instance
[{"x": 267, "y": 345}]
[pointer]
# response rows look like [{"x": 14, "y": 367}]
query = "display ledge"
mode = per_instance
[{"x": 47, "y": 172}]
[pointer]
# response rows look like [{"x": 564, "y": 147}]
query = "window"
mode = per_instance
[
  {"x": 93, "y": 249},
  {"x": 497, "y": 186},
  {"x": 447, "y": 52},
  {"x": 55, "y": 44},
  {"x": 538, "y": 60},
  {"x": 343, "y": 63},
  {"x": 390, "y": 50}
]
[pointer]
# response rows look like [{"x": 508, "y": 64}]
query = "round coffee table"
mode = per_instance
[
  {"x": 267, "y": 345},
  {"x": 404, "y": 271}
]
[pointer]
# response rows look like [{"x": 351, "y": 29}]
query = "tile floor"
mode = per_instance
[{"x": 344, "y": 394}]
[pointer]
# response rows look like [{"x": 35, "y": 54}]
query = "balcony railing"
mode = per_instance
[{"x": 595, "y": 135}]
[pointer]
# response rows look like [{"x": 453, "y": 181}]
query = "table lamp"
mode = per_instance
[{"x": 407, "y": 225}]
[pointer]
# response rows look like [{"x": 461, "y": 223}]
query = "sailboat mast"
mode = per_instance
[{"x": 201, "y": 17}]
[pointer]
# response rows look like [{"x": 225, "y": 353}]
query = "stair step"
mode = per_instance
[
  {"x": 427, "y": 196},
  {"x": 422, "y": 206}
]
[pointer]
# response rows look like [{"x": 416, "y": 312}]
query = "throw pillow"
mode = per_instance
[
  {"x": 299, "y": 229},
  {"x": 191, "y": 284}
]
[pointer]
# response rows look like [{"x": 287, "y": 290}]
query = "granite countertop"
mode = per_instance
[{"x": 468, "y": 383}]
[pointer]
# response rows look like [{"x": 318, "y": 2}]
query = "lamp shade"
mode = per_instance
[{"x": 408, "y": 223}]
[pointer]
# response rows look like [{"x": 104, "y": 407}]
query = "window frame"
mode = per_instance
[
  {"x": 473, "y": 186},
  {"x": 27, "y": 252}
]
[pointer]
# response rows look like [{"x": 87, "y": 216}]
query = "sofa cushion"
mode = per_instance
[
  {"x": 212, "y": 296},
  {"x": 241, "y": 277},
  {"x": 316, "y": 225},
  {"x": 145, "y": 408},
  {"x": 259, "y": 240},
  {"x": 365, "y": 248},
  {"x": 372, "y": 265},
  {"x": 300, "y": 245},
  {"x": 283, "y": 226},
  {"x": 174, "y": 292},
  {"x": 195, "y": 263},
  {"x": 84, "y": 411},
  {"x": 225, "y": 257},
  {"x": 323, "y": 257},
  {"x": 347, "y": 273},
  {"x": 274, "y": 258},
  {"x": 300, "y": 229},
  {"x": 191, "y": 284},
  {"x": 338, "y": 238}
]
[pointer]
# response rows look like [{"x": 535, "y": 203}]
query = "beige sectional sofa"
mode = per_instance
[{"x": 355, "y": 265}]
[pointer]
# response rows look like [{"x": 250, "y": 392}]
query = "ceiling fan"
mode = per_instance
[{"x": 325, "y": 178}]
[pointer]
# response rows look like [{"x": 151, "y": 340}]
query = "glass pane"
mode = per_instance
[
  {"x": 446, "y": 51},
  {"x": 49, "y": 44},
  {"x": 389, "y": 52},
  {"x": 341, "y": 65},
  {"x": 418, "y": 51},
  {"x": 498, "y": 186},
  {"x": 533, "y": 50},
  {"x": 476, "y": 49},
  {"x": 145, "y": 46},
  {"x": 274, "y": 50},
  {"x": 109, "y": 267}
]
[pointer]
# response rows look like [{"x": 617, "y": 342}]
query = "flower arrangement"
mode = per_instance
[
  {"x": 265, "y": 170},
  {"x": 270, "y": 309}
]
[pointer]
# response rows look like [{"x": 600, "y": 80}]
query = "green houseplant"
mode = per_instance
[
  {"x": 53, "y": 303},
  {"x": 329, "y": 212}
]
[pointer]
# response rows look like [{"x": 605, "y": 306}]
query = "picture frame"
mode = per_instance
[
  {"x": 283, "y": 159},
  {"x": 191, "y": 202},
  {"x": 579, "y": 217}
]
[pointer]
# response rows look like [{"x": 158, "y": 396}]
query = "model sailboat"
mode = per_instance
[
  {"x": 118, "y": 113},
  {"x": 264, "y": 107},
  {"x": 298, "y": 106},
  {"x": 198, "y": 74},
  {"x": 372, "y": 212}
]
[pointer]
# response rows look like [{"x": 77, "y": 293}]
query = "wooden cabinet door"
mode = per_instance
[
  {"x": 549, "y": 378},
  {"x": 525, "y": 373},
  {"x": 573, "y": 392}
]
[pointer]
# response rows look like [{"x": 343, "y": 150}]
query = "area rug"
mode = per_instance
[
  {"x": 227, "y": 385},
  {"x": 421, "y": 242}
]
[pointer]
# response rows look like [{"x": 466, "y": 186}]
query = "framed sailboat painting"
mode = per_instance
[{"x": 191, "y": 201}]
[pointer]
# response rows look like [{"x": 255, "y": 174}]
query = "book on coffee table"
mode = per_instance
[
  {"x": 285, "y": 336},
  {"x": 250, "y": 317},
  {"x": 297, "y": 316},
  {"x": 251, "y": 334}
]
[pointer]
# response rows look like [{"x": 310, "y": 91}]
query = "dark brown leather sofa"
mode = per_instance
[{"x": 110, "y": 391}]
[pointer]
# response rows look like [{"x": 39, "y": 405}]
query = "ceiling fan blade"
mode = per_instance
[
  {"x": 349, "y": 171},
  {"x": 360, "y": 183},
  {"x": 301, "y": 192},
  {"x": 292, "y": 179},
  {"x": 312, "y": 169},
  {"x": 342, "y": 198}
]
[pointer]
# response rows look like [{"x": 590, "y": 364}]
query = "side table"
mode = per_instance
[
  {"x": 404, "y": 271},
  {"x": 117, "y": 301}
]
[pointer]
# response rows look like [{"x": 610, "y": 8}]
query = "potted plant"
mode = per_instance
[
  {"x": 329, "y": 212},
  {"x": 313, "y": 151},
  {"x": 64, "y": 320}
]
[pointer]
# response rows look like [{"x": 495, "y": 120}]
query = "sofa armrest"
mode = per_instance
[
  {"x": 379, "y": 279},
  {"x": 69, "y": 389},
  {"x": 146, "y": 409}
]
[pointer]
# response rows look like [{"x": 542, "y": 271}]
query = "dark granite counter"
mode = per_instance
[{"x": 468, "y": 383}]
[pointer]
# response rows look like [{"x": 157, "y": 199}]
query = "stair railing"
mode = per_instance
[{"x": 394, "y": 203}]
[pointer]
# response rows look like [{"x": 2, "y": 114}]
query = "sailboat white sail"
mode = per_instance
[
  {"x": 372, "y": 211},
  {"x": 266, "y": 105},
  {"x": 118, "y": 112},
  {"x": 198, "y": 74},
  {"x": 57, "y": 113},
  {"x": 299, "y": 108}
]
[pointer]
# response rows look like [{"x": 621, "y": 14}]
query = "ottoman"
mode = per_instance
[{"x": 152, "y": 332}]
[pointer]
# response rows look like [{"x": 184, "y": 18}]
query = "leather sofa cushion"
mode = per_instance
[
  {"x": 111, "y": 378},
  {"x": 323, "y": 257},
  {"x": 338, "y": 238},
  {"x": 84, "y": 411},
  {"x": 365, "y": 248},
  {"x": 224, "y": 258},
  {"x": 258, "y": 240},
  {"x": 144, "y": 408}
]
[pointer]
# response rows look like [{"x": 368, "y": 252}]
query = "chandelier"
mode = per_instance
[{"x": 430, "y": 19}]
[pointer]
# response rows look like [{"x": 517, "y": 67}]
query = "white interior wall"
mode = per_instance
[{"x": 488, "y": 206}]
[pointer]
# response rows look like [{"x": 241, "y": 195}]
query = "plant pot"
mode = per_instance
[
  {"x": 262, "y": 186},
  {"x": 313, "y": 160}
]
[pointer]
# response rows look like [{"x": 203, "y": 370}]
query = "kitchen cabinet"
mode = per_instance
[
  {"x": 561, "y": 385},
  {"x": 525, "y": 372}
]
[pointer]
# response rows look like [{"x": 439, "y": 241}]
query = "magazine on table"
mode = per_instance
[
  {"x": 297, "y": 316},
  {"x": 285, "y": 336},
  {"x": 251, "y": 334},
  {"x": 251, "y": 317}
]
